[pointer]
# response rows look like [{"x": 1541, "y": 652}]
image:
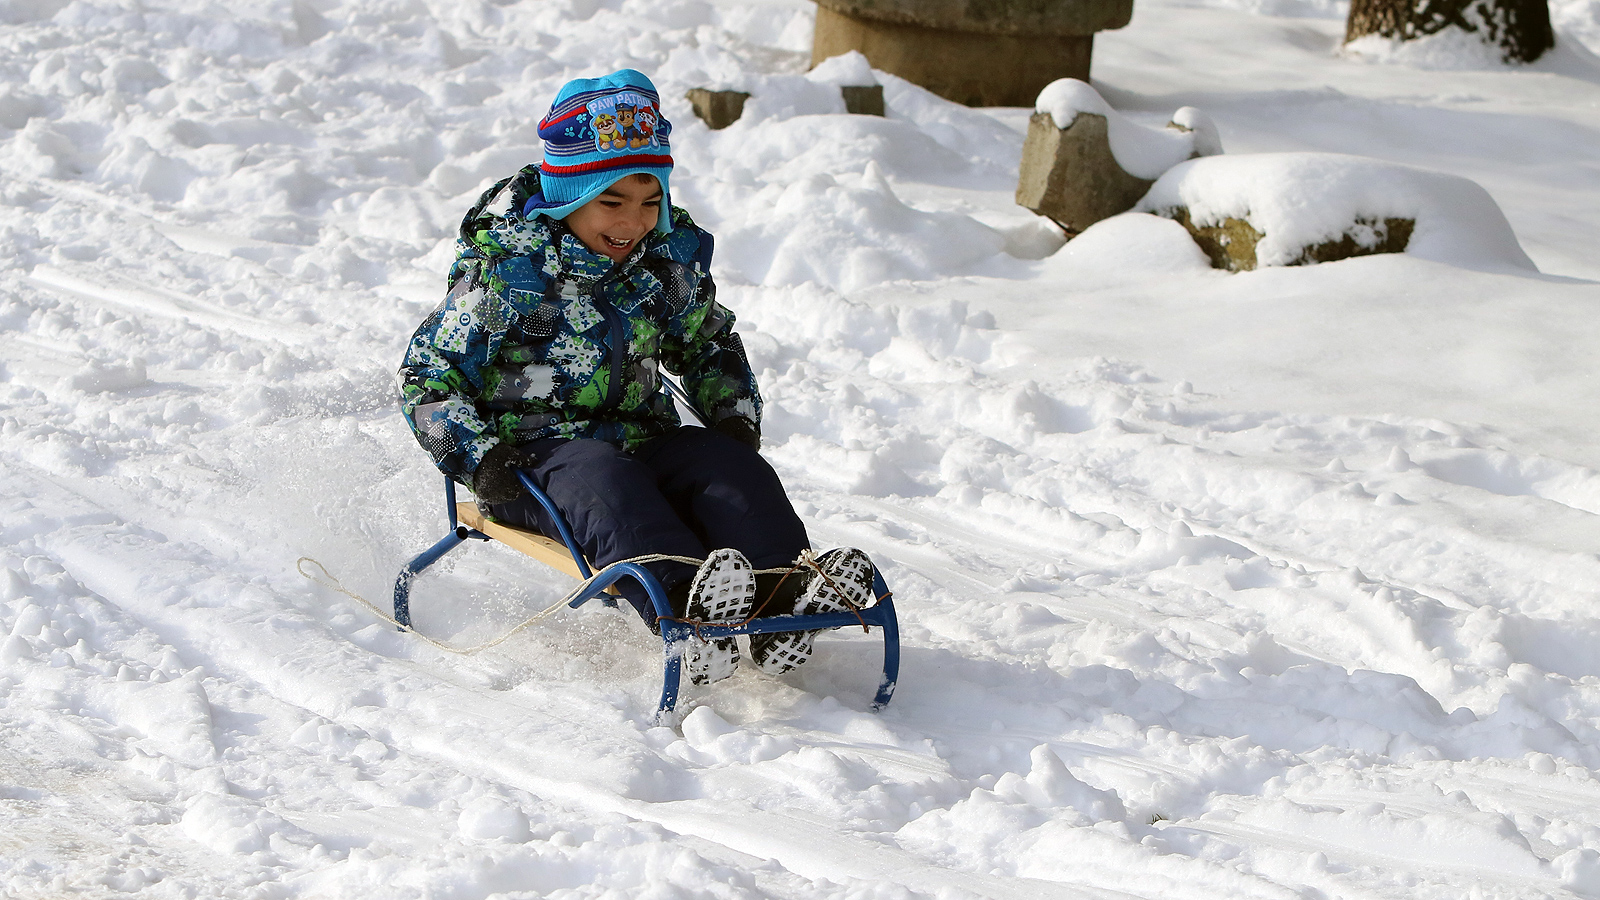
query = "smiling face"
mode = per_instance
[{"x": 613, "y": 223}]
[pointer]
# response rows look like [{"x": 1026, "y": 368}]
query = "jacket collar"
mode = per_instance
[{"x": 587, "y": 265}]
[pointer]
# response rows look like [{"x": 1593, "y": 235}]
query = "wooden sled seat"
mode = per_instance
[{"x": 526, "y": 541}]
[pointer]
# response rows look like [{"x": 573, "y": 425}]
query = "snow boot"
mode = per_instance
[
  {"x": 841, "y": 580},
  {"x": 721, "y": 592}
]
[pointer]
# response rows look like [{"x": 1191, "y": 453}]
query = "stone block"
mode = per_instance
[
  {"x": 1070, "y": 175},
  {"x": 718, "y": 109},
  {"x": 862, "y": 99},
  {"x": 1231, "y": 243}
]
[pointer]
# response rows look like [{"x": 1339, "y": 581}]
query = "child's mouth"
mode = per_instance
[{"x": 615, "y": 244}]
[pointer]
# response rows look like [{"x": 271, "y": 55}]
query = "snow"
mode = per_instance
[
  {"x": 846, "y": 69},
  {"x": 1273, "y": 584},
  {"x": 1452, "y": 48}
]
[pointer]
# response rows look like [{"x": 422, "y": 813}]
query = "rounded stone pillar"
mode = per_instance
[{"x": 977, "y": 52}]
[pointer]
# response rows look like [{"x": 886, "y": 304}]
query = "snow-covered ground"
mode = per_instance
[{"x": 1271, "y": 585}]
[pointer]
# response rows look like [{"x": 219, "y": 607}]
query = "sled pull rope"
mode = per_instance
[{"x": 332, "y": 582}]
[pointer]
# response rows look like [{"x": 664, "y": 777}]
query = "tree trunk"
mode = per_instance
[{"x": 1520, "y": 28}]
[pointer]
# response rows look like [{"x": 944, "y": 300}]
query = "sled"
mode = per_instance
[{"x": 468, "y": 523}]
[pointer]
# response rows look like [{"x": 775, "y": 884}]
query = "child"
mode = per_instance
[{"x": 575, "y": 281}]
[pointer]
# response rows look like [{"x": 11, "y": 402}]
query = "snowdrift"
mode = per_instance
[{"x": 1299, "y": 200}]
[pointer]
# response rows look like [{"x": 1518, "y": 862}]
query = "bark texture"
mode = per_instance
[{"x": 1520, "y": 28}]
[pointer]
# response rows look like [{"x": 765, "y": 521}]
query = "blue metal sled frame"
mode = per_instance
[{"x": 673, "y": 633}]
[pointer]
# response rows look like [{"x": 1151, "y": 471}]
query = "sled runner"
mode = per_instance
[{"x": 468, "y": 523}]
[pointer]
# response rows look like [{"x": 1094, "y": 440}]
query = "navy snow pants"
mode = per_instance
[{"x": 685, "y": 493}]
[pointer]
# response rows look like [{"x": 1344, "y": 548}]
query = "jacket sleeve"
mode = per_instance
[
  {"x": 443, "y": 373},
  {"x": 701, "y": 346}
]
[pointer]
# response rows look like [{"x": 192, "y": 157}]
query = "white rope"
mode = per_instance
[{"x": 806, "y": 558}]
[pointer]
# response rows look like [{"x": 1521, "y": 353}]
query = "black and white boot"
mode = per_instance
[
  {"x": 720, "y": 592},
  {"x": 841, "y": 580}
]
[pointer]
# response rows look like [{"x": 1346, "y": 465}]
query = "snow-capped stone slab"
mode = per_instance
[
  {"x": 852, "y": 74},
  {"x": 1083, "y": 161},
  {"x": 1141, "y": 152},
  {"x": 845, "y": 69},
  {"x": 1284, "y": 209}
]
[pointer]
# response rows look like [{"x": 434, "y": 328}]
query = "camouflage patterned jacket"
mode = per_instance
[{"x": 540, "y": 337}]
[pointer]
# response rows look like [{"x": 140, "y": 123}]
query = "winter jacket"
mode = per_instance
[{"x": 540, "y": 337}]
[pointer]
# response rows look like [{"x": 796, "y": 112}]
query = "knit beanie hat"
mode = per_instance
[{"x": 598, "y": 131}]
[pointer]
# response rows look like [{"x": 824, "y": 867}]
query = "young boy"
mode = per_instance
[{"x": 575, "y": 282}]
